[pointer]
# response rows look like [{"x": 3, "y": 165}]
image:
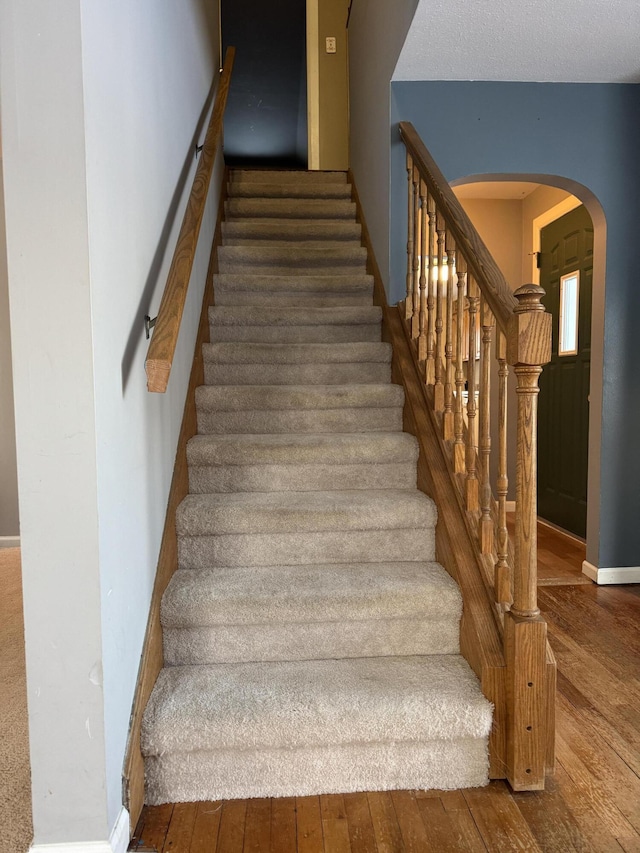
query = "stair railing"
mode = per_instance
[
  {"x": 467, "y": 328},
  {"x": 167, "y": 324}
]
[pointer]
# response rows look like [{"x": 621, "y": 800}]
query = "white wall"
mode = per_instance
[
  {"x": 100, "y": 107},
  {"x": 148, "y": 67},
  {"x": 9, "y": 521},
  {"x": 377, "y": 31}
]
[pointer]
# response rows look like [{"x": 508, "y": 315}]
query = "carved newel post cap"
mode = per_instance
[{"x": 529, "y": 298}]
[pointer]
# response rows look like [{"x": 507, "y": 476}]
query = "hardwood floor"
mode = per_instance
[
  {"x": 591, "y": 804},
  {"x": 16, "y": 829},
  {"x": 560, "y": 555}
]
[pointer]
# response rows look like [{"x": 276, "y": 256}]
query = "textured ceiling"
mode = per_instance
[{"x": 555, "y": 41}]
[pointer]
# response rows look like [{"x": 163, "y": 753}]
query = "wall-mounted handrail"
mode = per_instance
[
  {"x": 480, "y": 263},
  {"x": 167, "y": 327},
  {"x": 467, "y": 329}
]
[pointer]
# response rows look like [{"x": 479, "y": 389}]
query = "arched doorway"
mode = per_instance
[{"x": 510, "y": 212}]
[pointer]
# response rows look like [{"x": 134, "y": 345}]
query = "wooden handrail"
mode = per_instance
[
  {"x": 481, "y": 264},
  {"x": 165, "y": 337}
]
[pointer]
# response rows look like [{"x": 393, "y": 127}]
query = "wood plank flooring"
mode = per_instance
[
  {"x": 560, "y": 555},
  {"x": 592, "y": 803}
]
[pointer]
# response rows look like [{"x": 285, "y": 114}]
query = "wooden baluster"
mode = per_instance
[
  {"x": 415, "y": 317},
  {"x": 438, "y": 388},
  {"x": 458, "y": 420},
  {"x": 525, "y": 632},
  {"x": 486, "y": 521},
  {"x": 503, "y": 579},
  {"x": 471, "y": 484},
  {"x": 408, "y": 303},
  {"x": 431, "y": 299},
  {"x": 424, "y": 271},
  {"x": 447, "y": 418}
]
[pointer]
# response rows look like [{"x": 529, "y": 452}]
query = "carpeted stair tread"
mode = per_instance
[
  {"x": 300, "y": 462},
  {"x": 296, "y": 364},
  {"x": 261, "y": 316},
  {"x": 286, "y": 176},
  {"x": 265, "y": 353},
  {"x": 303, "y": 208},
  {"x": 302, "y": 449},
  {"x": 303, "y": 409},
  {"x": 261, "y": 189},
  {"x": 304, "y": 512},
  {"x": 230, "y": 398},
  {"x": 329, "y": 284},
  {"x": 298, "y": 373},
  {"x": 310, "y": 703},
  {"x": 280, "y": 324},
  {"x": 293, "y": 291},
  {"x": 316, "y": 593},
  {"x": 292, "y": 259},
  {"x": 264, "y": 230},
  {"x": 313, "y": 612}
]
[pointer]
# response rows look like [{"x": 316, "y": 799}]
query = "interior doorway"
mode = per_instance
[
  {"x": 510, "y": 212},
  {"x": 266, "y": 116}
]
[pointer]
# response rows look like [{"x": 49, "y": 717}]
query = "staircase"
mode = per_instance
[{"x": 311, "y": 641}]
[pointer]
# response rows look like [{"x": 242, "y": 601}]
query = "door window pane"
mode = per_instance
[{"x": 569, "y": 297}]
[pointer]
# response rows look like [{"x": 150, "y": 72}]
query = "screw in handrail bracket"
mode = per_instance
[{"x": 148, "y": 325}]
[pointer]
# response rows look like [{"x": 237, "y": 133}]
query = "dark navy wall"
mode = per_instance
[
  {"x": 583, "y": 133},
  {"x": 266, "y": 117}
]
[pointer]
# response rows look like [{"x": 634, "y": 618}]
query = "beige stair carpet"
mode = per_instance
[{"x": 311, "y": 640}]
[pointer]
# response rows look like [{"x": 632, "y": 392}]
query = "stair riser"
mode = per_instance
[
  {"x": 309, "y": 771},
  {"x": 340, "y": 233},
  {"x": 296, "y": 334},
  {"x": 306, "y": 421},
  {"x": 298, "y": 209},
  {"x": 284, "y": 176},
  {"x": 296, "y": 374},
  {"x": 310, "y": 641},
  {"x": 320, "y": 285},
  {"x": 244, "y": 189},
  {"x": 297, "y": 268},
  {"x": 266, "y": 242},
  {"x": 274, "y": 549},
  {"x": 308, "y": 478},
  {"x": 291, "y": 299}
]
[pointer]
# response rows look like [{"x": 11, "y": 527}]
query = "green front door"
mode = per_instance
[{"x": 566, "y": 273}]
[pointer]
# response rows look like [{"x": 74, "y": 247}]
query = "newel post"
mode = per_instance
[{"x": 525, "y": 632}]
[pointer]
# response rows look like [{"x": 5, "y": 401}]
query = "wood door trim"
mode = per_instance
[{"x": 313, "y": 85}]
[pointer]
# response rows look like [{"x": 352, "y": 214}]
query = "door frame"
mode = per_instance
[{"x": 313, "y": 85}]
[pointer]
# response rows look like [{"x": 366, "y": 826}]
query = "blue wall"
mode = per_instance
[{"x": 587, "y": 133}]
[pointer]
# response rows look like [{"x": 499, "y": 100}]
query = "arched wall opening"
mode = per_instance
[{"x": 527, "y": 203}]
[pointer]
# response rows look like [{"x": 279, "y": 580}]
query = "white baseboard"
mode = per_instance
[
  {"x": 620, "y": 574},
  {"x": 9, "y": 541},
  {"x": 117, "y": 843}
]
